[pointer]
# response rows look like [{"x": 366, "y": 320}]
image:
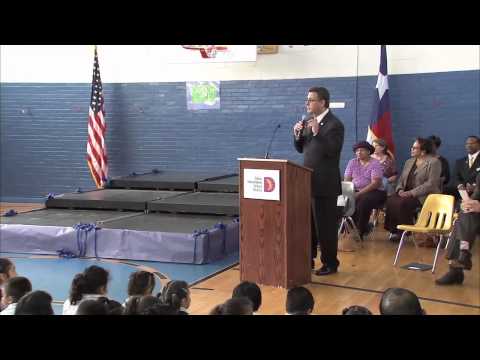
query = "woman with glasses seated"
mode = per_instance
[
  {"x": 388, "y": 162},
  {"x": 420, "y": 177},
  {"x": 366, "y": 174}
]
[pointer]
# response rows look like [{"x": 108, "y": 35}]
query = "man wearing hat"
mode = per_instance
[
  {"x": 366, "y": 173},
  {"x": 320, "y": 139}
]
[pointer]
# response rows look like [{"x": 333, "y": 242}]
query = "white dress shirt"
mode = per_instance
[
  {"x": 69, "y": 309},
  {"x": 471, "y": 158},
  {"x": 321, "y": 116},
  {"x": 9, "y": 310}
]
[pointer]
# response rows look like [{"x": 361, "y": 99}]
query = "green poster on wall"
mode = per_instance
[{"x": 203, "y": 95}]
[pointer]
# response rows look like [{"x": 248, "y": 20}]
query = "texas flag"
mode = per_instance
[{"x": 381, "y": 121}]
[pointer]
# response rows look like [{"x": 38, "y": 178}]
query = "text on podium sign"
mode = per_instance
[{"x": 261, "y": 184}]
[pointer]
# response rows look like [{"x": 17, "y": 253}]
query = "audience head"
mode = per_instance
[
  {"x": 35, "y": 303},
  {"x": 141, "y": 283},
  {"x": 398, "y": 301},
  {"x": 321, "y": 100},
  {"x": 100, "y": 306},
  {"x": 472, "y": 144},
  {"x": 363, "y": 150},
  {"x": 299, "y": 301},
  {"x": 234, "y": 306},
  {"x": 176, "y": 294},
  {"x": 139, "y": 305},
  {"x": 15, "y": 288},
  {"x": 251, "y": 291},
  {"x": 93, "y": 280},
  {"x": 7, "y": 270},
  {"x": 92, "y": 307},
  {"x": 421, "y": 147},
  {"x": 160, "y": 309},
  {"x": 113, "y": 307},
  {"x": 380, "y": 146},
  {"x": 356, "y": 310}
]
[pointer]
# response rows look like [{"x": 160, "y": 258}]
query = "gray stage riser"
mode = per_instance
[
  {"x": 192, "y": 210},
  {"x": 103, "y": 206}
]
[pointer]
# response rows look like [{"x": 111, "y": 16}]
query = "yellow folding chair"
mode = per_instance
[{"x": 435, "y": 218}]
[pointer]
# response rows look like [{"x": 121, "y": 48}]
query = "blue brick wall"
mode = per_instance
[{"x": 43, "y": 126}]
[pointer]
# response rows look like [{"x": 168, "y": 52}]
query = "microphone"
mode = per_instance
[
  {"x": 305, "y": 118},
  {"x": 267, "y": 153}
]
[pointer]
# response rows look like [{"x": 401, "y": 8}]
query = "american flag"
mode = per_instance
[
  {"x": 96, "y": 147},
  {"x": 381, "y": 121}
]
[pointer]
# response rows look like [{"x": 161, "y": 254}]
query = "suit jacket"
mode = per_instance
[
  {"x": 322, "y": 154},
  {"x": 466, "y": 227},
  {"x": 476, "y": 192},
  {"x": 464, "y": 174},
  {"x": 427, "y": 178}
]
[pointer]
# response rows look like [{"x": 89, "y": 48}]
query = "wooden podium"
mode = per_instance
[{"x": 275, "y": 235}]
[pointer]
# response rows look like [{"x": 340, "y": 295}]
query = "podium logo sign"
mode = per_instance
[{"x": 261, "y": 184}]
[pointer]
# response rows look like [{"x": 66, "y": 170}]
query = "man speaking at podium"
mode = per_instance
[{"x": 319, "y": 136}]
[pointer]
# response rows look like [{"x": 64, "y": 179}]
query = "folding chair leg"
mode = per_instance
[
  {"x": 342, "y": 224},
  {"x": 411, "y": 236},
  {"x": 375, "y": 217},
  {"x": 352, "y": 224},
  {"x": 399, "y": 247},
  {"x": 436, "y": 253},
  {"x": 448, "y": 241}
]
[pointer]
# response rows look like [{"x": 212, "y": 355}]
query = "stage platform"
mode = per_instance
[
  {"x": 159, "y": 216},
  {"x": 109, "y": 199},
  {"x": 166, "y": 180},
  {"x": 198, "y": 203},
  {"x": 148, "y": 200},
  {"x": 227, "y": 185},
  {"x": 64, "y": 217},
  {"x": 196, "y": 239}
]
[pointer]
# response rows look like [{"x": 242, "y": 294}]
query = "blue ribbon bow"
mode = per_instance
[
  {"x": 82, "y": 236},
  {"x": 10, "y": 212}
]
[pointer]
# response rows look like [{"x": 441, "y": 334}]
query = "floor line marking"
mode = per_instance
[{"x": 381, "y": 292}]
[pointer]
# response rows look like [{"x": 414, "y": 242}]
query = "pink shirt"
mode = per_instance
[{"x": 363, "y": 176}]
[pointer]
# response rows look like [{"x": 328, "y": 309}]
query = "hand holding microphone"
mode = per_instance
[
  {"x": 300, "y": 125},
  {"x": 298, "y": 128}
]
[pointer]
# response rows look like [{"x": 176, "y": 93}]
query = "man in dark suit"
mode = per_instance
[
  {"x": 467, "y": 168},
  {"x": 320, "y": 139},
  {"x": 466, "y": 229}
]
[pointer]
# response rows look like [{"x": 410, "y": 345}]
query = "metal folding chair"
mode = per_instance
[{"x": 347, "y": 200}]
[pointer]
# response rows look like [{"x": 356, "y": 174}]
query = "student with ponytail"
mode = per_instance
[
  {"x": 89, "y": 285},
  {"x": 137, "y": 304},
  {"x": 140, "y": 283},
  {"x": 177, "y": 295}
]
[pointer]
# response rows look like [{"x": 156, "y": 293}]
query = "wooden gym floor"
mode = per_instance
[{"x": 362, "y": 277}]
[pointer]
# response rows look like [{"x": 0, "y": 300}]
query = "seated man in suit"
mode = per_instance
[
  {"x": 466, "y": 228},
  {"x": 466, "y": 168}
]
